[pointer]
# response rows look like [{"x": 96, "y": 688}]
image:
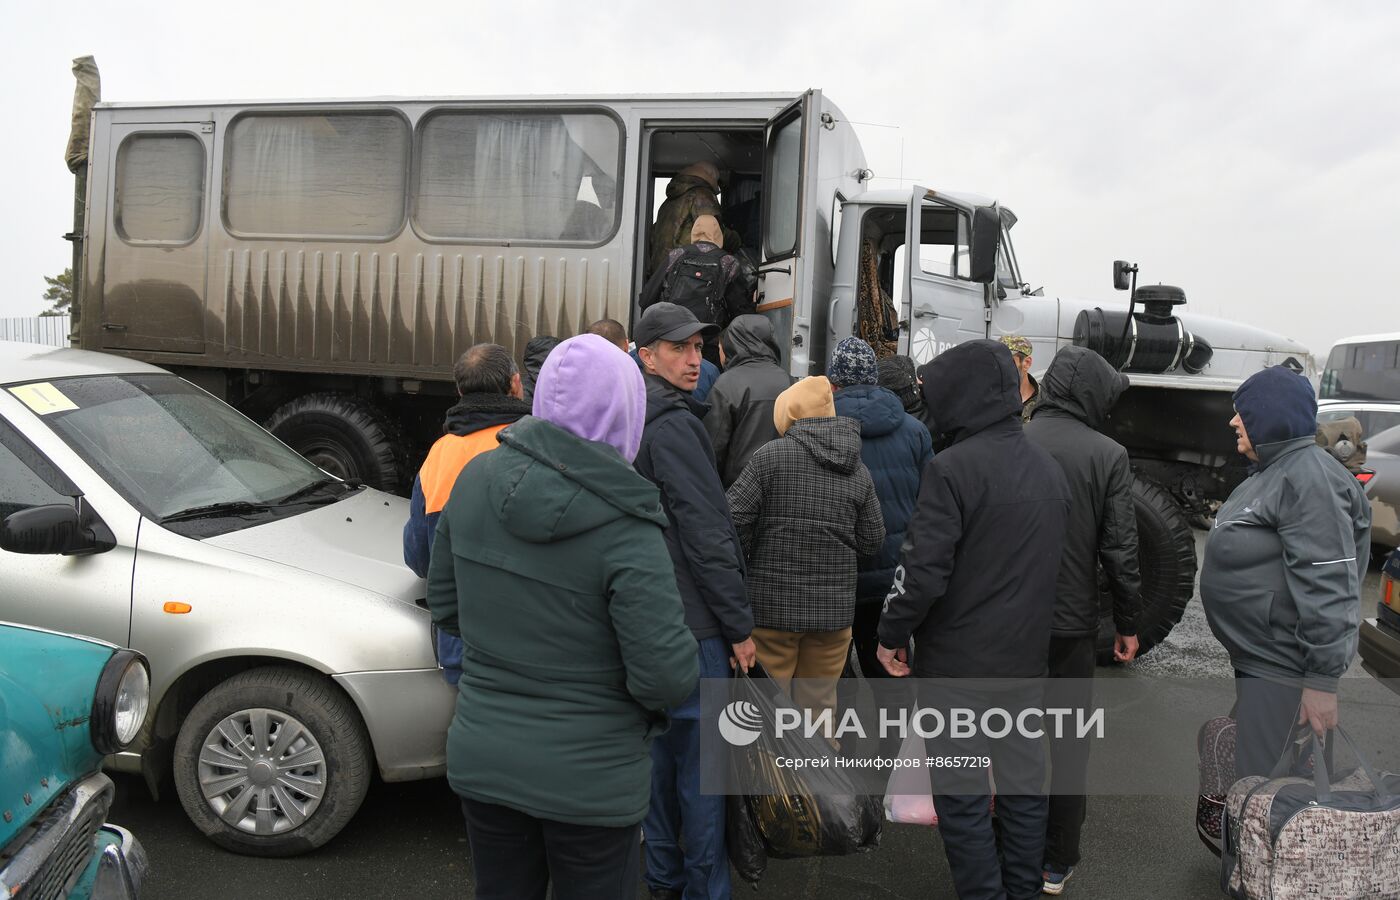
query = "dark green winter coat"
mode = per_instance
[{"x": 549, "y": 561}]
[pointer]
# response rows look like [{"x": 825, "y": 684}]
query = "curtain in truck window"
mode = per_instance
[
  {"x": 334, "y": 175},
  {"x": 159, "y": 188},
  {"x": 518, "y": 177}
]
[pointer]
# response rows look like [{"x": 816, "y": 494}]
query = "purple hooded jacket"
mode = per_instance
[{"x": 593, "y": 390}]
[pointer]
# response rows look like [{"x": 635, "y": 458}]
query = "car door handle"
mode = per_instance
[
  {"x": 113, "y": 326},
  {"x": 925, "y": 312}
]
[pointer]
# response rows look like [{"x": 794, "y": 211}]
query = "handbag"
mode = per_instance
[{"x": 1295, "y": 838}]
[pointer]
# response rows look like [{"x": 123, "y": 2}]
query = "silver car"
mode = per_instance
[{"x": 289, "y": 649}]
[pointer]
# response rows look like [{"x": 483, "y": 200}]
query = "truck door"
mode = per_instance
[
  {"x": 154, "y": 270},
  {"x": 789, "y": 223},
  {"x": 940, "y": 304}
]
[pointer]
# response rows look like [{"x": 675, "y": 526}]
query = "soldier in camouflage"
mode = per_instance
[
  {"x": 1030, "y": 390},
  {"x": 694, "y": 192}
]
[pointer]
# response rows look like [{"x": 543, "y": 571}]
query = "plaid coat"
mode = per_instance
[{"x": 806, "y": 510}]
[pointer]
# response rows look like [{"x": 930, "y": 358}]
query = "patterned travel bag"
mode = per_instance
[
  {"x": 1293, "y": 838},
  {"x": 1215, "y": 745}
]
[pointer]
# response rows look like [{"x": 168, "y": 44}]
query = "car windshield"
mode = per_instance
[{"x": 169, "y": 448}]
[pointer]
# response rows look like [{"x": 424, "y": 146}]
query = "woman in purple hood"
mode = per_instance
[{"x": 550, "y": 564}]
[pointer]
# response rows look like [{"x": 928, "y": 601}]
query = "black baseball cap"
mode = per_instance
[{"x": 669, "y": 322}]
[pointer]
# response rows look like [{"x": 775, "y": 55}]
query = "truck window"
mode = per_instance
[
  {"x": 784, "y": 180},
  {"x": 493, "y": 176},
  {"x": 328, "y": 175},
  {"x": 1362, "y": 371},
  {"x": 159, "y": 188}
]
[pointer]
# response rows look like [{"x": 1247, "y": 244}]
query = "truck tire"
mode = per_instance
[
  {"x": 346, "y": 436},
  {"x": 1167, "y": 559},
  {"x": 272, "y": 762}
]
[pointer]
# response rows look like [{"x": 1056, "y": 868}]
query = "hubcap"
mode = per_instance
[{"x": 262, "y": 771}]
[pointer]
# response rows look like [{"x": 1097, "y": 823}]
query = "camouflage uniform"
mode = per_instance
[
  {"x": 1017, "y": 344},
  {"x": 687, "y": 197}
]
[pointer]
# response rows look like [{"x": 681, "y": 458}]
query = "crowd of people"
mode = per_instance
[{"x": 600, "y": 533}]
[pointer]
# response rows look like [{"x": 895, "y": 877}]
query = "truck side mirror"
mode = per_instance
[
  {"x": 986, "y": 240},
  {"x": 1122, "y": 269},
  {"x": 50, "y": 530}
]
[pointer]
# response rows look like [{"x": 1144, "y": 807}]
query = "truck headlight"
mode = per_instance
[{"x": 120, "y": 704}]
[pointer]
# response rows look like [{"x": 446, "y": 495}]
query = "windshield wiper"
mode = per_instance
[
  {"x": 307, "y": 490},
  {"x": 229, "y": 508}
]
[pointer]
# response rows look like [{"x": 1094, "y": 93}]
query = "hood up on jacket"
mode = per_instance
[
  {"x": 970, "y": 387},
  {"x": 833, "y": 441},
  {"x": 1083, "y": 384},
  {"x": 749, "y": 338},
  {"x": 1276, "y": 404},
  {"x": 591, "y": 389},
  {"x": 544, "y": 495},
  {"x": 878, "y": 411},
  {"x": 685, "y": 183}
]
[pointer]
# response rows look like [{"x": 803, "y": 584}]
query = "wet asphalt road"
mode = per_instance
[{"x": 407, "y": 841}]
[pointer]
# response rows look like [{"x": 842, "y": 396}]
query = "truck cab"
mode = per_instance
[{"x": 965, "y": 283}]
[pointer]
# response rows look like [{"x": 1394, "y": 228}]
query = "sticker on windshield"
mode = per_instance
[{"x": 43, "y": 398}]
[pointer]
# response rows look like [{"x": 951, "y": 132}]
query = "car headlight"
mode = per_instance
[{"x": 120, "y": 704}]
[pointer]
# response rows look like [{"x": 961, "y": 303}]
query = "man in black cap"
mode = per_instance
[{"x": 684, "y": 829}]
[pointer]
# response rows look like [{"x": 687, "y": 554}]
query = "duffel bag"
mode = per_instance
[
  {"x": 1215, "y": 747},
  {"x": 1295, "y": 838}
]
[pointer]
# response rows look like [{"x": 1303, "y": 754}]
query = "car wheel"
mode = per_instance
[
  {"x": 1167, "y": 560},
  {"x": 344, "y": 435},
  {"x": 272, "y": 762}
]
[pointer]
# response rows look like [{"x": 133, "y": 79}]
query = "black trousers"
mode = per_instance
[
  {"x": 1071, "y": 666},
  {"x": 1265, "y": 713},
  {"x": 516, "y": 856},
  {"x": 962, "y": 798}
]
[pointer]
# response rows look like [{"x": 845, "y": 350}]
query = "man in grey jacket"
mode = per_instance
[
  {"x": 1076, "y": 395},
  {"x": 1281, "y": 582},
  {"x": 740, "y": 419}
]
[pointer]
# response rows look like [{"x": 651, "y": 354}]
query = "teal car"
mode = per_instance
[{"x": 65, "y": 703}]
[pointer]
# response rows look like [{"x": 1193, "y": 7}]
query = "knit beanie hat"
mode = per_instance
[
  {"x": 896, "y": 374},
  {"x": 1276, "y": 404},
  {"x": 852, "y": 362},
  {"x": 809, "y": 398}
]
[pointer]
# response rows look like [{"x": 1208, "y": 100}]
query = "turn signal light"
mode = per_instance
[
  {"x": 1388, "y": 592},
  {"x": 176, "y": 608},
  {"x": 1365, "y": 477}
]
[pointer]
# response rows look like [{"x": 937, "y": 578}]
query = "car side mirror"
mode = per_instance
[
  {"x": 54, "y": 529},
  {"x": 986, "y": 240}
]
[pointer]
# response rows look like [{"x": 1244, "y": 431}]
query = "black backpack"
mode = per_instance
[{"x": 696, "y": 282}]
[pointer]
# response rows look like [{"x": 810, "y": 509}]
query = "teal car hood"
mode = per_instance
[{"x": 47, "y": 683}]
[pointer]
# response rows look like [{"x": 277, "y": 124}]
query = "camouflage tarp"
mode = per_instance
[{"x": 87, "y": 92}]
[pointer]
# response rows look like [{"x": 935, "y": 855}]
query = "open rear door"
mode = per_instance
[
  {"x": 941, "y": 305},
  {"x": 785, "y": 282}
]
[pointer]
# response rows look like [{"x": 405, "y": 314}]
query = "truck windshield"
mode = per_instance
[
  {"x": 1007, "y": 271},
  {"x": 170, "y": 448}
]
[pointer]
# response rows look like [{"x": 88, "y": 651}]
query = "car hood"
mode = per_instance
[
  {"x": 47, "y": 682},
  {"x": 355, "y": 540}
]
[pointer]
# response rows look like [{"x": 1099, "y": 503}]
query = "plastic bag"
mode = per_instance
[
  {"x": 909, "y": 794},
  {"x": 742, "y": 841},
  {"x": 811, "y": 812}
]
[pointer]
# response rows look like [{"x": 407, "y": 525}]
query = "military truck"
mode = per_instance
[{"x": 320, "y": 264}]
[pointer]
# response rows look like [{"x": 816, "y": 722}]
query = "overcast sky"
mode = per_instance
[{"x": 1249, "y": 152}]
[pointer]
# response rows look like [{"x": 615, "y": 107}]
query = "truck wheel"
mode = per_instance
[
  {"x": 1167, "y": 559},
  {"x": 344, "y": 435},
  {"x": 272, "y": 762}
]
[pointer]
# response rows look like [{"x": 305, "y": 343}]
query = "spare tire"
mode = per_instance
[
  {"x": 1167, "y": 559},
  {"x": 346, "y": 436}
]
